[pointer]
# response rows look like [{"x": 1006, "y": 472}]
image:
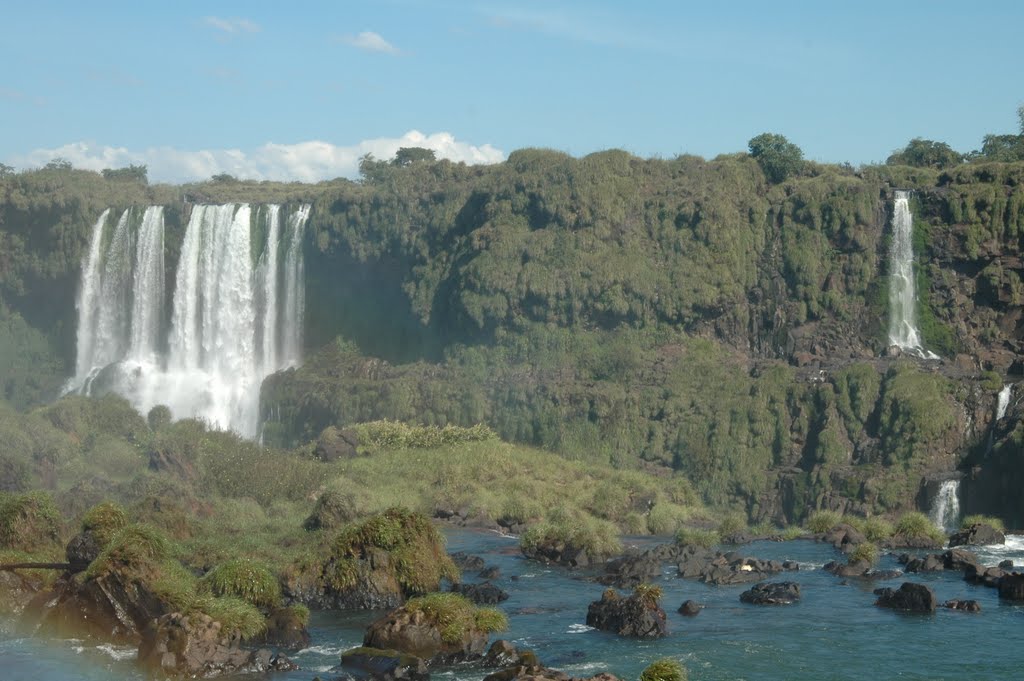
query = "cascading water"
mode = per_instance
[
  {"x": 903, "y": 331},
  {"x": 227, "y": 332},
  {"x": 1003, "y": 401},
  {"x": 945, "y": 513}
]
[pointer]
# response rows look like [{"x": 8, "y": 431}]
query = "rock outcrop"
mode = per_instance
[
  {"x": 634, "y": 616},
  {"x": 772, "y": 593},
  {"x": 910, "y": 597},
  {"x": 978, "y": 534}
]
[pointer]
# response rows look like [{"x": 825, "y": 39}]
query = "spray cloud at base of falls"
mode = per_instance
[
  {"x": 236, "y": 314},
  {"x": 903, "y": 330}
]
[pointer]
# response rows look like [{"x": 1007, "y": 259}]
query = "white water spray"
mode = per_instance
[
  {"x": 1004, "y": 401},
  {"x": 945, "y": 513},
  {"x": 903, "y": 331},
  {"x": 225, "y": 322},
  {"x": 88, "y": 297}
]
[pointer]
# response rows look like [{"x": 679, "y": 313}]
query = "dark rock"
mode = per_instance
[
  {"x": 195, "y": 646},
  {"x": 414, "y": 633},
  {"x": 114, "y": 607},
  {"x": 905, "y": 541},
  {"x": 504, "y": 654},
  {"x": 559, "y": 552},
  {"x": 1006, "y": 564},
  {"x": 285, "y": 629},
  {"x": 385, "y": 665},
  {"x": 466, "y": 562},
  {"x": 334, "y": 444},
  {"x": 633, "y": 616},
  {"x": 978, "y": 534},
  {"x": 844, "y": 537},
  {"x": 490, "y": 572},
  {"x": 82, "y": 550},
  {"x": 728, "y": 568},
  {"x": 481, "y": 594},
  {"x": 858, "y": 568},
  {"x": 959, "y": 560},
  {"x": 990, "y": 576},
  {"x": 690, "y": 608},
  {"x": 966, "y": 606},
  {"x": 1011, "y": 586},
  {"x": 910, "y": 597},
  {"x": 772, "y": 593}
]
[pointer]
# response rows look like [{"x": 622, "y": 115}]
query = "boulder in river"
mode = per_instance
[
  {"x": 910, "y": 597},
  {"x": 635, "y": 616},
  {"x": 384, "y": 664},
  {"x": 772, "y": 593},
  {"x": 978, "y": 534},
  {"x": 484, "y": 593},
  {"x": 1011, "y": 586}
]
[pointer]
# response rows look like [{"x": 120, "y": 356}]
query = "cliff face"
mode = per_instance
[{"x": 679, "y": 315}]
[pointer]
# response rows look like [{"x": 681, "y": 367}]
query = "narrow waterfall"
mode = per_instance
[
  {"x": 903, "y": 331},
  {"x": 229, "y": 328},
  {"x": 1004, "y": 401},
  {"x": 945, "y": 513}
]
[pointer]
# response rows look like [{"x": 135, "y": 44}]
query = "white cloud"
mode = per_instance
[
  {"x": 236, "y": 25},
  {"x": 304, "y": 161},
  {"x": 371, "y": 42}
]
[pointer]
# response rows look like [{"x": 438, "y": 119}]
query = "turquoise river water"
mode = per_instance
[{"x": 834, "y": 632}]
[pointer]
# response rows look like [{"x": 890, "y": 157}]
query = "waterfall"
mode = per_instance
[
  {"x": 903, "y": 331},
  {"x": 945, "y": 513},
  {"x": 1004, "y": 401},
  {"x": 226, "y": 332}
]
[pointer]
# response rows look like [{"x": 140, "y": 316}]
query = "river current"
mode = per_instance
[{"x": 834, "y": 632}]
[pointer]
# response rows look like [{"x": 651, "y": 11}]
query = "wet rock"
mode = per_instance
[
  {"x": 966, "y": 606},
  {"x": 16, "y": 591},
  {"x": 690, "y": 608},
  {"x": 1006, "y": 564},
  {"x": 81, "y": 550},
  {"x": 859, "y": 568},
  {"x": 285, "y": 629},
  {"x": 484, "y": 593},
  {"x": 772, "y": 593},
  {"x": 490, "y": 572},
  {"x": 466, "y": 562},
  {"x": 195, "y": 646},
  {"x": 986, "y": 576},
  {"x": 633, "y": 616},
  {"x": 503, "y": 654},
  {"x": 844, "y": 537},
  {"x": 558, "y": 551},
  {"x": 910, "y": 597},
  {"x": 1011, "y": 586},
  {"x": 384, "y": 665},
  {"x": 978, "y": 534},
  {"x": 414, "y": 633},
  {"x": 728, "y": 568}
]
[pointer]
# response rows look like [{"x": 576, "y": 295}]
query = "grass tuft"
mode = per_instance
[
  {"x": 665, "y": 669},
  {"x": 693, "y": 536},
  {"x": 29, "y": 521},
  {"x": 455, "y": 615},
  {"x": 104, "y": 520},
  {"x": 865, "y": 551},
  {"x": 978, "y": 519},
  {"x": 133, "y": 548},
  {"x": 917, "y": 524},
  {"x": 822, "y": 521},
  {"x": 245, "y": 579}
]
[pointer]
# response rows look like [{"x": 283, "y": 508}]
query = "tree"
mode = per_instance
[
  {"x": 225, "y": 178},
  {"x": 408, "y": 155},
  {"x": 1005, "y": 148},
  {"x": 1020, "y": 117},
  {"x": 6, "y": 170},
  {"x": 778, "y": 157},
  {"x": 58, "y": 164},
  {"x": 133, "y": 173},
  {"x": 925, "y": 153}
]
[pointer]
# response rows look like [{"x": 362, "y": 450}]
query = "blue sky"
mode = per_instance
[{"x": 301, "y": 90}]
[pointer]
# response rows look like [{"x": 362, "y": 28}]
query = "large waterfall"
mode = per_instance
[
  {"x": 945, "y": 512},
  {"x": 233, "y": 321},
  {"x": 903, "y": 331}
]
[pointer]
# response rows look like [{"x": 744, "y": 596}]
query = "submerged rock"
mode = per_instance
[
  {"x": 484, "y": 593},
  {"x": 634, "y": 616},
  {"x": 965, "y": 605},
  {"x": 1011, "y": 586},
  {"x": 728, "y": 568},
  {"x": 772, "y": 593},
  {"x": 415, "y": 633},
  {"x": 690, "y": 608},
  {"x": 384, "y": 664},
  {"x": 285, "y": 629},
  {"x": 910, "y": 597}
]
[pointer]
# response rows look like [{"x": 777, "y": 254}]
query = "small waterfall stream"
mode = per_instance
[
  {"x": 1003, "y": 401},
  {"x": 903, "y": 331},
  {"x": 945, "y": 513}
]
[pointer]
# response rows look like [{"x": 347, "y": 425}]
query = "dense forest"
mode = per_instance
[{"x": 719, "y": 322}]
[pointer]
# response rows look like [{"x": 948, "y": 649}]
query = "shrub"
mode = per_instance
[
  {"x": 455, "y": 615},
  {"x": 822, "y": 521},
  {"x": 792, "y": 532},
  {"x": 917, "y": 524},
  {"x": 731, "y": 524},
  {"x": 665, "y": 518},
  {"x": 778, "y": 157},
  {"x": 245, "y": 579},
  {"x": 978, "y": 519},
  {"x": 416, "y": 548},
  {"x": 301, "y": 613},
  {"x": 397, "y": 435},
  {"x": 865, "y": 551},
  {"x": 332, "y": 510},
  {"x": 692, "y": 536},
  {"x": 877, "y": 529},
  {"x": 136, "y": 548},
  {"x": 599, "y": 538},
  {"x": 648, "y": 594},
  {"x": 665, "y": 669},
  {"x": 28, "y": 521},
  {"x": 234, "y": 614},
  {"x": 104, "y": 520},
  {"x": 159, "y": 417}
]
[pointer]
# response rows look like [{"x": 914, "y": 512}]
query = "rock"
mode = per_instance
[
  {"x": 844, "y": 537},
  {"x": 1011, "y": 586},
  {"x": 503, "y": 654},
  {"x": 285, "y": 629},
  {"x": 113, "y": 607},
  {"x": 638, "y": 567},
  {"x": 966, "y": 606},
  {"x": 16, "y": 591},
  {"x": 959, "y": 560},
  {"x": 490, "y": 572},
  {"x": 334, "y": 444},
  {"x": 385, "y": 664},
  {"x": 917, "y": 541},
  {"x": 772, "y": 593},
  {"x": 690, "y": 608},
  {"x": 728, "y": 568},
  {"x": 559, "y": 552},
  {"x": 466, "y": 562},
  {"x": 909, "y": 597},
  {"x": 194, "y": 646},
  {"x": 413, "y": 633},
  {"x": 633, "y": 616},
  {"x": 484, "y": 593},
  {"x": 332, "y": 510},
  {"x": 978, "y": 534},
  {"x": 81, "y": 550},
  {"x": 1006, "y": 564},
  {"x": 990, "y": 577}
]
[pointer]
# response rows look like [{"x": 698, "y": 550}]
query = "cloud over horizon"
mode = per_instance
[
  {"x": 309, "y": 161},
  {"x": 236, "y": 25},
  {"x": 371, "y": 42}
]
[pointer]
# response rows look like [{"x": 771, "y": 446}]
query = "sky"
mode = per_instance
[{"x": 301, "y": 90}]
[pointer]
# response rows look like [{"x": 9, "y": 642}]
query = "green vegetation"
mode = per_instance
[
  {"x": 396, "y": 435},
  {"x": 978, "y": 519},
  {"x": 599, "y": 538},
  {"x": 455, "y": 615},
  {"x": 244, "y": 579},
  {"x": 866, "y": 552},
  {"x": 925, "y": 153},
  {"x": 823, "y": 521},
  {"x": 28, "y": 522},
  {"x": 104, "y": 521},
  {"x": 665, "y": 669},
  {"x": 648, "y": 594},
  {"x": 692, "y": 536},
  {"x": 917, "y": 524},
  {"x": 777, "y": 156}
]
